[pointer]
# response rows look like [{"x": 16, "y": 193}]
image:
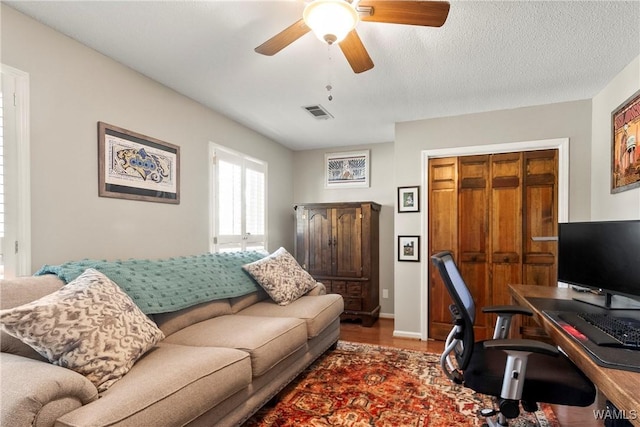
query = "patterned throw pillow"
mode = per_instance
[
  {"x": 281, "y": 277},
  {"x": 90, "y": 326}
]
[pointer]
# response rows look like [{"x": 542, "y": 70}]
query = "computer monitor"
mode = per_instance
[{"x": 602, "y": 255}]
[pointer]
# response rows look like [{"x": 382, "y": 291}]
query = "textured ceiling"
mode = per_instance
[{"x": 487, "y": 56}]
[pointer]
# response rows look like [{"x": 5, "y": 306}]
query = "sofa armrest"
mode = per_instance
[
  {"x": 320, "y": 289},
  {"x": 36, "y": 393}
]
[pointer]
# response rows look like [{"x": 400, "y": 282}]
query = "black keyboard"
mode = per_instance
[{"x": 625, "y": 331}]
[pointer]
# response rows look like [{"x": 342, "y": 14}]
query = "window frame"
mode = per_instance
[{"x": 245, "y": 239}]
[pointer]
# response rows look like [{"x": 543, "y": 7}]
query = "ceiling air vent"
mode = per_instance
[{"x": 318, "y": 111}]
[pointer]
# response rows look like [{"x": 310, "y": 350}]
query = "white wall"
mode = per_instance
[
  {"x": 309, "y": 188},
  {"x": 72, "y": 88},
  {"x": 604, "y": 205},
  {"x": 564, "y": 120}
]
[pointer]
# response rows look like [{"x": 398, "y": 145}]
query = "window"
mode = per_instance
[
  {"x": 238, "y": 201},
  {"x": 15, "y": 217}
]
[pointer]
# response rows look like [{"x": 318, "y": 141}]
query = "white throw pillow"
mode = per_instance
[
  {"x": 281, "y": 277},
  {"x": 90, "y": 326}
]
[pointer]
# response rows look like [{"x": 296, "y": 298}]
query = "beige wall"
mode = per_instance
[
  {"x": 604, "y": 205},
  {"x": 586, "y": 123},
  {"x": 565, "y": 120},
  {"x": 72, "y": 88},
  {"x": 308, "y": 187}
]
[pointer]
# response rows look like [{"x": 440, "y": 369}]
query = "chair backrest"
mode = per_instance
[{"x": 462, "y": 299}]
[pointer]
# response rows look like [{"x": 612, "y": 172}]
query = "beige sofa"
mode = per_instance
[{"x": 219, "y": 363}]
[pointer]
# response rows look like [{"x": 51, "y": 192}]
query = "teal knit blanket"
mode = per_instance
[{"x": 166, "y": 285}]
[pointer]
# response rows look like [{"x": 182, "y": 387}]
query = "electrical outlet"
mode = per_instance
[{"x": 385, "y": 293}]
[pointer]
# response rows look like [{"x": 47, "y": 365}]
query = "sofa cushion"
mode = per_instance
[
  {"x": 18, "y": 291},
  {"x": 171, "y": 385},
  {"x": 317, "y": 311},
  {"x": 174, "y": 321},
  {"x": 281, "y": 276},
  {"x": 267, "y": 340},
  {"x": 90, "y": 326}
]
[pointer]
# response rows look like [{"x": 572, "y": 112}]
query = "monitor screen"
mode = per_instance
[{"x": 601, "y": 255}]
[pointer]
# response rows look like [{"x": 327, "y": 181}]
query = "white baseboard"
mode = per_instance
[
  {"x": 405, "y": 334},
  {"x": 387, "y": 316}
]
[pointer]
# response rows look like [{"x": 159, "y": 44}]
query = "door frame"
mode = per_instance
[
  {"x": 21, "y": 187},
  {"x": 560, "y": 144}
]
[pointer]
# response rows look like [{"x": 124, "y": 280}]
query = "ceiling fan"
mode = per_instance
[{"x": 334, "y": 21}]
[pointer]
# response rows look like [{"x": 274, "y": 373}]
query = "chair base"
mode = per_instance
[{"x": 495, "y": 418}]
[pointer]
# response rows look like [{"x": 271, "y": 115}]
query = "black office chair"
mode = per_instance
[{"x": 512, "y": 370}]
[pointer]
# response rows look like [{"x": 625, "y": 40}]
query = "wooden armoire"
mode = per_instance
[
  {"x": 338, "y": 244},
  {"x": 498, "y": 214}
]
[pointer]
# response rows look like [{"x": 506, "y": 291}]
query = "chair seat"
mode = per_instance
[{"x": 548, "y": 379}]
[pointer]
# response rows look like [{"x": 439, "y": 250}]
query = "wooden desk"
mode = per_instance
[{"x": 622, "y": 388}]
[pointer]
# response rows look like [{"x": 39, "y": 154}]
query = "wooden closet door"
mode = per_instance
[
  {"x": 540, "y": 205},
  {"x": 443, "y": 236},
  {"x": 488, "y": 210},
  {"x": 506, "y": 225},
  {"x": 347, "y": 242},
  {"x": 473, "y": 226},
  {"x": 541, "y": 217}
]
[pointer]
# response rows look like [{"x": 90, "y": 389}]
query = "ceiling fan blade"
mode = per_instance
[
  {"x": 355, "y": 52},
  {"x": 283, "y": 39},
  {"x": 426, "y": 13}
]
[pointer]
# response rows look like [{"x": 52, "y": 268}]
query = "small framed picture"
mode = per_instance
[
  {"x": 409, "y": 248},
  {"x": 408, "y": 199}
]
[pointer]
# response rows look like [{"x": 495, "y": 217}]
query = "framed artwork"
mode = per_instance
[
  {"x": 347, "y": 169},
  {"x": 408, "y": 199},
  {"x": 625, "y": 157},
  {"x": 409, "y": 248},
  {"x": 137, "y": 167}
]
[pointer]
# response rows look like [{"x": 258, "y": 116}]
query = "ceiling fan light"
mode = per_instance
[{"x": 330, "y": 20}]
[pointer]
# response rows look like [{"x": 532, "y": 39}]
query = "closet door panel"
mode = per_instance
[
  {"x": 443, "y": 236},
  {"x": 473, "y": 217},
  {"x": 505, "y": 224},
  {"x": 541, "y": 215},
  {"x": 540, "y": 201}
]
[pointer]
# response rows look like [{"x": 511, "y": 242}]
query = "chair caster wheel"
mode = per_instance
[
  {"x": 487, "y": 413},
  {"x": 529, "y": 406}
]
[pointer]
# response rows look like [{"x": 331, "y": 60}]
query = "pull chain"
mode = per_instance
[{"x": 329, "y": 87}]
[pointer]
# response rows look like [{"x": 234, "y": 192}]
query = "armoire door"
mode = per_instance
[
  {"x": 497, "y": 214},
  {"x": 318, "y": 244},
  {"x": 347, "y": 242},
  {"x": 333, "y": 246}
]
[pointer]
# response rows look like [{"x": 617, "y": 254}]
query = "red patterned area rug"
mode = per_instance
[{"x": 363, "y": 385}]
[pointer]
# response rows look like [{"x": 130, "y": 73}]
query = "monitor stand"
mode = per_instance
[{"x": 610, "y": 301}]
